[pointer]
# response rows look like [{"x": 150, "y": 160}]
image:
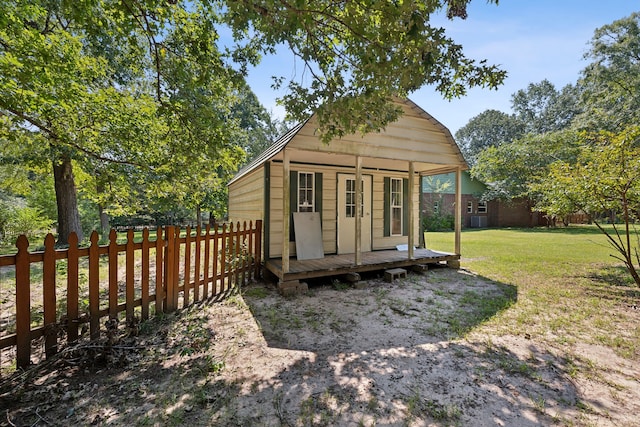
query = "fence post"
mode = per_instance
[
  {"x": 258, "y": 253},
  {"x": 49, "y": 296},
  {"x": 171, "y": 275},
  {"x": 23, "y": 304}
]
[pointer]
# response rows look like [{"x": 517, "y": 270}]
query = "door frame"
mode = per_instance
[{"x": 365, "y": 246}]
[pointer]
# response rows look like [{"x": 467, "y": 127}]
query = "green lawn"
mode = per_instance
[{"x": 569, "y": 288}]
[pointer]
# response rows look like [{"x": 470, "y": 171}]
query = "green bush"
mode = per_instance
[
  {"x": 28, "y": 221},
  {"x": 438, "y": 222}
]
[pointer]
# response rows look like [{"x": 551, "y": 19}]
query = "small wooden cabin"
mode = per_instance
[{"x": 300, "y": 184}]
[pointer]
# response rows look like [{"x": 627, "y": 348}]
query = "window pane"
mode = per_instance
[
  {"x": 396, "y": 221},
  {"x": 350, "y": 198}
]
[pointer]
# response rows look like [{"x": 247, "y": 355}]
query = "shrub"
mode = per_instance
[
  {"x": 28, "y": 221},
  {"x": 438, "y": 222}
]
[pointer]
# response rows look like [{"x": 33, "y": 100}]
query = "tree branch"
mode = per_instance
[{"x": 55, "y": 139}]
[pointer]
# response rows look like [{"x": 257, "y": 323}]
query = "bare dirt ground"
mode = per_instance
[{"x": 416, "y": 352}]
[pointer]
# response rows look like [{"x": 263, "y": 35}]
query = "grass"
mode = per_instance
[{"x": 568, "y": 285}]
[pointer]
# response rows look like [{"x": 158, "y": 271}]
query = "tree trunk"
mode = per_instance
[
  {"x": 105, "y": 227},
  {"x": 68, "y": 216}
]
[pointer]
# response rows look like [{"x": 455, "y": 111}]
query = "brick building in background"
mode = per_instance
[{"x": 438, "y": 197}]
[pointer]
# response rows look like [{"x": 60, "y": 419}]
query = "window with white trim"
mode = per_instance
[
  {"x": 436, "y": 206},
  {"x": 470, "y": 206},
  {"x": 305, "y": 192},
  {"x": 396, "y": 206},
  {"x": 482, "y": 207}
]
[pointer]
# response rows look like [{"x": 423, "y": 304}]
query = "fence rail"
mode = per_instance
[{"x": 123, "y": 281}]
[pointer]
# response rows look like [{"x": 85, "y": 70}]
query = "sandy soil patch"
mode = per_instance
[{"x": 414, "y": 352}]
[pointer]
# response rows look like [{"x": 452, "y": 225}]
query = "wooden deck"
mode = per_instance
[{"x": 333, "y": 265}]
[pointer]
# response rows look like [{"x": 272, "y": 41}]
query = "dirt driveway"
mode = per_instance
[{"x": 415, "y": 352}]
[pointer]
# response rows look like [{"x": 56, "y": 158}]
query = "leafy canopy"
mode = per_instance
[
  {"x": 357, "y": 55},
  {"x": 138, "y": 101}
]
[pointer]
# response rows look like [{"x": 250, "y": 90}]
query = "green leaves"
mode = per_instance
[
  {"x": 612, "y": 79},
  {"x": 358, "y": 55},
  {"x": 147, "y": 103}
]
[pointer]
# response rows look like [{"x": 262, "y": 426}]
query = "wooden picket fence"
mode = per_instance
[{"x": 176, "y": 270}]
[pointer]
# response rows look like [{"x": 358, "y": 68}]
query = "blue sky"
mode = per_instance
[{"x": 531, "y": 39}]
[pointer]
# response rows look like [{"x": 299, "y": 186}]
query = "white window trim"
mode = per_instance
[
  {"x": 313, "y": 192},
  {"x": 470, "y": 206},
  {"x": 392, "y": 207},
  {"x": 482, "y": 207}
]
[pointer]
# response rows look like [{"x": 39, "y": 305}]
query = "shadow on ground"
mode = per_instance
[{"x": 389, "y": 354}]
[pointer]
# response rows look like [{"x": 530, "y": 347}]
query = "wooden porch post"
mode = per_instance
[
  {"x": 286, "y": 210},
  {"x": 412, "y": 226},
  {"x": 358, "y": 245},
  {"x": 458, "y": 215}
]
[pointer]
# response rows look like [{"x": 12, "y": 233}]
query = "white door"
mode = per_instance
[{"x": 347, "y": 214}]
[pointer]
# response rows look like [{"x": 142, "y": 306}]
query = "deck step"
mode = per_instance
[{"x": 394, "y": 273}]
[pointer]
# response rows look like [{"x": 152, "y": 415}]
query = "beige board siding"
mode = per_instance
[
  {"x": 380, "y": 241},
  {"x": 246, "y": 197},
  {"x": 275, "y": 210},
  {"x": 328, "y": 207}
]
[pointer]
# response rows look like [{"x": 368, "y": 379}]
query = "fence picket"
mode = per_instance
[
  {"x": 229, "y": 266},
  {"x": 94, "y": 287},
  {"x": 196, "y": 269},
  {"x": 207, "y": 251},
  {"x": 160, "y": 238},
  {"x": 258, "y": 249},
  {"x": 113, "y": 275},
  {"x": 129, "y": 270},
  {"x": 170, "y": 268},
  {"x": 72, "y": 288},
  {"x": 187, "y": 267},
  {"x": 49, "y": 295},
  {"x": 176, "y": 269},
  {"x": 223, "y": 259},
  {"x": 236, "y": 257},
  {"x": 144, "y": 275},
  {"x": 216, "y": 242},
  {"x": 249, "y": 251},
  {"x": 23, "y": 303}
]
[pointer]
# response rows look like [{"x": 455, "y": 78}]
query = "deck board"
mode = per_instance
[{"x": 332, "y": 265}]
